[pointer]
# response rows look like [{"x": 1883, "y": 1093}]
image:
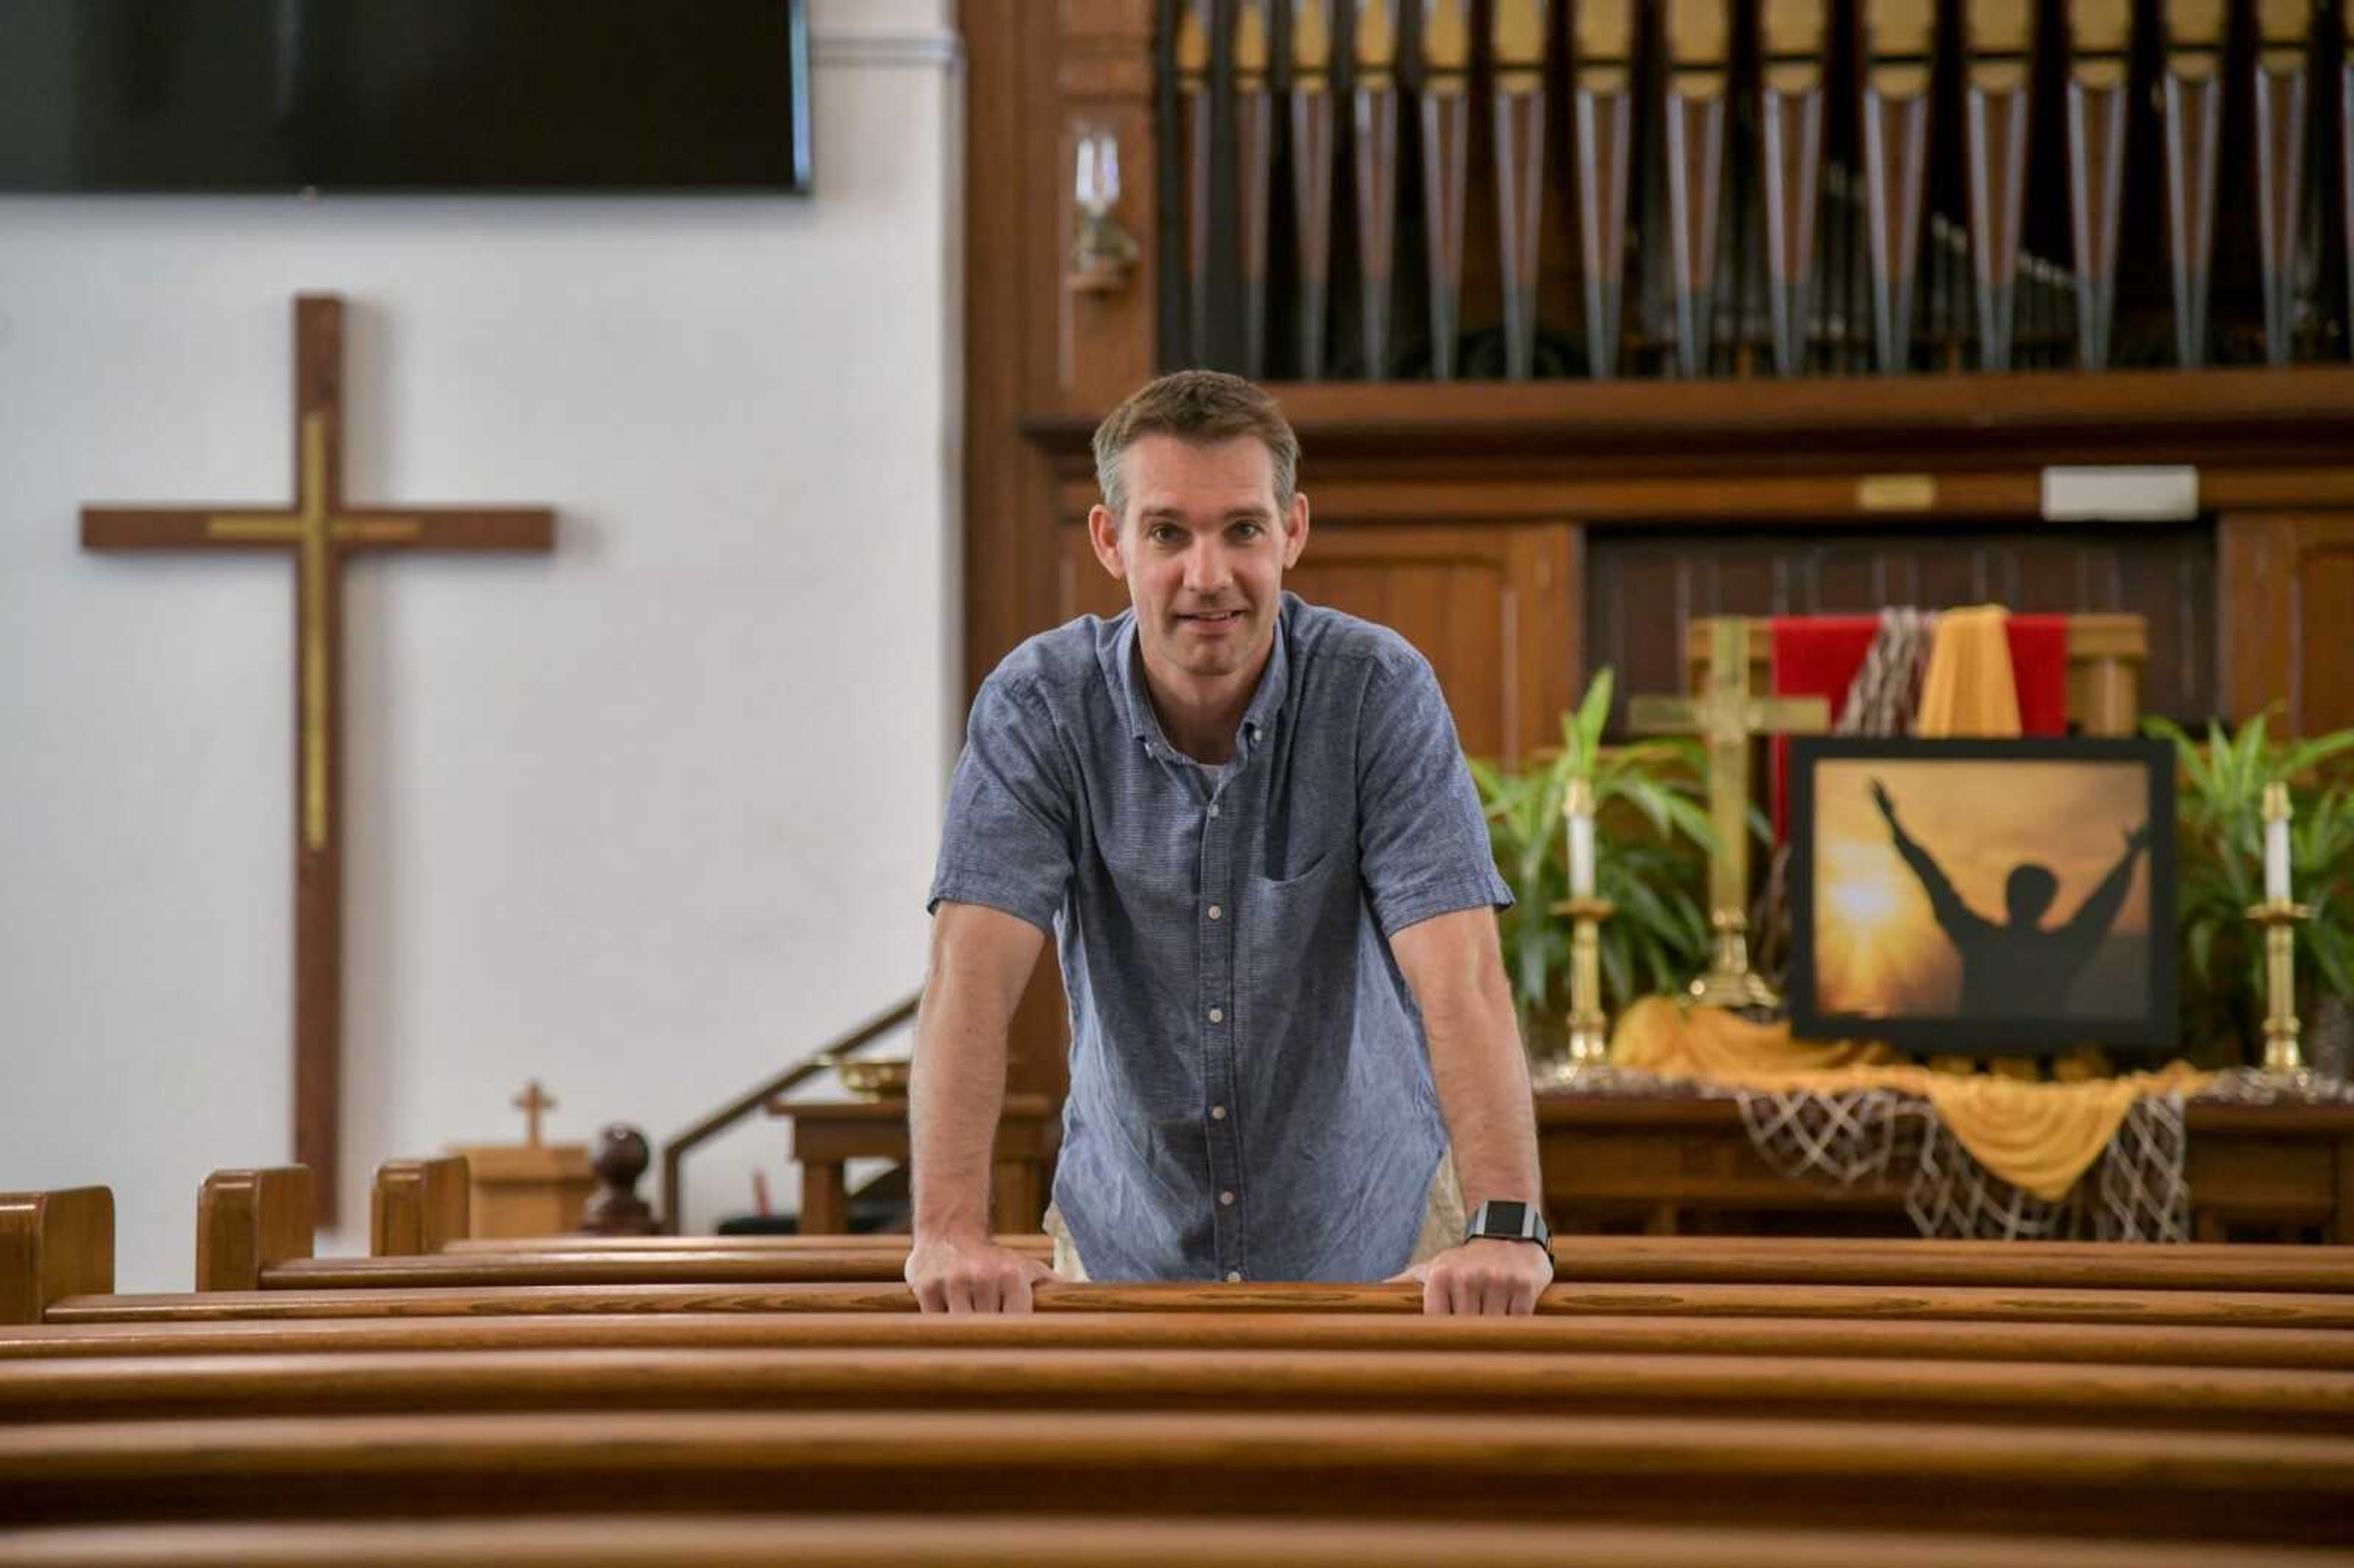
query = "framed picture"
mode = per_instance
[{"x": 1983, "y": 897}]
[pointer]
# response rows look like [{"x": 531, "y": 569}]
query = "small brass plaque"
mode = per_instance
[{"x": 1896, "y": 492}]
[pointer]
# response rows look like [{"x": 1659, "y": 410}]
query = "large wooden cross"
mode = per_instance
[
  {"x": 319, "y": 531},
  {"x": 1727, "y": 716}
]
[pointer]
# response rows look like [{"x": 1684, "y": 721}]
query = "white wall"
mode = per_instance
[{"x": 645, "y": 819}]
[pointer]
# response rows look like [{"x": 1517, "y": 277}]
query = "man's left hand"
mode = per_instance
[{"x": 1482, "y": 1278}]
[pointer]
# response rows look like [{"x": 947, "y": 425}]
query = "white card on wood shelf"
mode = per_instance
[{"x": 2099, "y": 494}]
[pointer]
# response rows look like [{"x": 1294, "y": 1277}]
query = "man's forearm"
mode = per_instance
[
  {"x": 1483, "y": 1089},
  {"x": 954, "y": 1096}
]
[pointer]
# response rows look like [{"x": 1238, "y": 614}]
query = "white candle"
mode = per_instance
[
  {"x": 1107, "y": 169},
  {"x": 1581, "y": 856},
  {"x": 2276, "y": 860}
]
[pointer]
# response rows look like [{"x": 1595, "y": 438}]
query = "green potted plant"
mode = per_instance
[
  {"x": 1651, "y": 802},
  {"x": 2222, "y": 871}
]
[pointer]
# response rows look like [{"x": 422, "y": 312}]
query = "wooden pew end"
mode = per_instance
[
  {"x": 54, "y": 1244},
  {"x": 248, "y": 1220}
]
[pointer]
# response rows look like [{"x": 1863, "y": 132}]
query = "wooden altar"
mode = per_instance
[{"x": 1669, "y": 1164}]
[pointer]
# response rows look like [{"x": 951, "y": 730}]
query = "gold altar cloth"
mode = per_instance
[{"x": 2041, "y": 1136}]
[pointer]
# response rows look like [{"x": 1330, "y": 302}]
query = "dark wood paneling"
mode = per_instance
[
  {"x": 1488, "y": 605},
  {"x": 2288, "y": 579},
  {"x": 1645, "y": 585}
]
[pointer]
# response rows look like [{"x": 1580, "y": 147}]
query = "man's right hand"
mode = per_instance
[{"x": 959, "y": 1275}]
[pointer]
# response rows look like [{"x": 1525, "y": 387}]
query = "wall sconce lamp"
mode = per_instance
[{"x": 1105, "y": 252}]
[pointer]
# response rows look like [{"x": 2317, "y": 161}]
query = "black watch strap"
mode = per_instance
[{"x": 1504, "y": 1221}]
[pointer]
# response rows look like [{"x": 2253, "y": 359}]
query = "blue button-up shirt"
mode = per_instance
[{"x": 1251, "y": 1091}]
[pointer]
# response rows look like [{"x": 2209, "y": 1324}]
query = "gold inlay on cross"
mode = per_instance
[{"x": 314, "y": 532}]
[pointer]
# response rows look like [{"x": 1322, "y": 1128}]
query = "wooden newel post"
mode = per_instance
[
  {"x": 318, "y": 532},
  {"x": 619, "y": 1158}
]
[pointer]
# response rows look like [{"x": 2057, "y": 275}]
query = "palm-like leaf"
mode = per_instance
[
  {"x": 2221, "y": 869},
  {"x": 1650, "y": 806}
]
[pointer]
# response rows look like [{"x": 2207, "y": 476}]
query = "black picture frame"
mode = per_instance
[{"x": 1821, "y": 764}]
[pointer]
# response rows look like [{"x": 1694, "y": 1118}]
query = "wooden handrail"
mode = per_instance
[{"x": 752, "y": 1099}]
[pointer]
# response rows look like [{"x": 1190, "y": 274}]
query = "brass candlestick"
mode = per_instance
[
  {"x": 1589, "y": 1027},
  {"x": 1589, "y": 1038},
  {"x": 2278, "y": 914},
  {"x": 2284, "y": 1061},
  {"x": 1729, "y": 981}
]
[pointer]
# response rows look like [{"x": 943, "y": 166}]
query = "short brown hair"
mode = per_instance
[{"x": 1199, "y": 405}]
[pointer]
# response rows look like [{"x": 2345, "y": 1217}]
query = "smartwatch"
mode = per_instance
[{"x": 1508, "y": 1222}]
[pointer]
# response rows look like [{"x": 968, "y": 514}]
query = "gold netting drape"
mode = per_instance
[{"x": 2039, "y": 1136}]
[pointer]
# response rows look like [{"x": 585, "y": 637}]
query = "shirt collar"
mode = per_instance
[{"x": 1266, "y": 702}]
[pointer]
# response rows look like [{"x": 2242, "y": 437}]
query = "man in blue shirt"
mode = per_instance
[{"x": 1247, "y": 823}]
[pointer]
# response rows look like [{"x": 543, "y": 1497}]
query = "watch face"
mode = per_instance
[{"x": 1507, "y": 1219}]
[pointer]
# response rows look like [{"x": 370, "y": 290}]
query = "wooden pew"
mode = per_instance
[
  {"x": 511, "y": 1409},
  {"x": 1364, "y": 1334},
  {"x": 1071, "y": 1540},
  {"x": 405, "y": 1204},
  {"x": 1848, "y": 1302},
  {"x": 54, "y": 1244},
  {"x": 1223, "y": 1381},
  {"x": 2223, "y": 1487}
]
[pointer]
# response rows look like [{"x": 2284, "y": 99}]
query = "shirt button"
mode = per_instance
[
  {"x": 1235, "y": 1278},
  {"x": 1213, "y": 808},
  {"x": 1227, "y": 1199},
  {"x": 1216, "y": 911},
  {"x": 1217, "y": 1015},
  {"x": 1217, "y": 1113}
]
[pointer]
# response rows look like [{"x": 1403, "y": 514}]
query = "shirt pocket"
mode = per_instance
[{"x": 1298, "y": 946}]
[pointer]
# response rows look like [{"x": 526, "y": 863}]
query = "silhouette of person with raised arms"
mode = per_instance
[{"x": 2019, "y": 969}]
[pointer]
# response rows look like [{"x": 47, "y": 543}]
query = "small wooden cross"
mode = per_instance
[
  {"x": 531, "y": 1102},
  {"x": 319, "y": 531},
  {"x": 1727, "y": 716}
]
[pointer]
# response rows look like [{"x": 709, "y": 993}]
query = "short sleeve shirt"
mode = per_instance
[{"x": 1251, "y": 1094}]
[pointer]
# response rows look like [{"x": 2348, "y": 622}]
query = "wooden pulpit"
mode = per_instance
[{"x": 531, "y": 1189}]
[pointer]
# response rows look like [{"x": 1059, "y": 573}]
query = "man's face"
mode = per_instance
[{"x": 1202, "y": 550}]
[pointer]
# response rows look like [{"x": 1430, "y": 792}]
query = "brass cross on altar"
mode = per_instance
[
  {"x": 319, "y": 532},
  {"x": 531, "y": 1102},
  {"x": 1727, "y": 716}
]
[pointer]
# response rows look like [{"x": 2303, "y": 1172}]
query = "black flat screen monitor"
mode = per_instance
[
  {"x": 1983, "y": 897},
  {"x": 404, "y": 95}
]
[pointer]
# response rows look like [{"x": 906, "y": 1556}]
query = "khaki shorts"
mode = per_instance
[{"x": 1443, "y": 1221}]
